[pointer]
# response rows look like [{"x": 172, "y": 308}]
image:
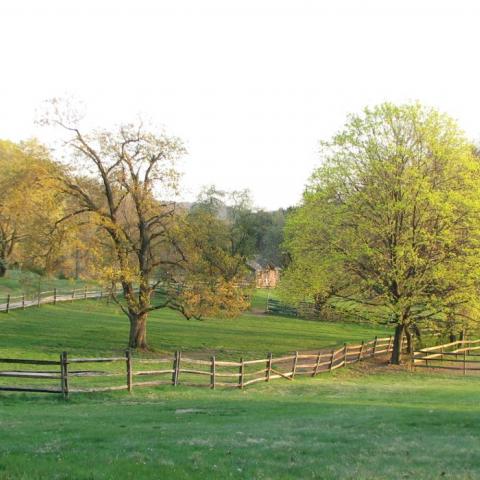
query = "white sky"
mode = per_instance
[{"x": 250, "y": 85}]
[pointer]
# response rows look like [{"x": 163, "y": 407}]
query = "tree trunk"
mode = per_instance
[
  {"x": 410, "y": 339},
  {"x": 138, "y": 331},
  {"x": 397, "y": 344},
  {"x": 3, "y": 268}
]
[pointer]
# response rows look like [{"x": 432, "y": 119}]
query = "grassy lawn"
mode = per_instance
[
  {"x": 92, "y": 327},
  {"x": 348, "y": 425}
]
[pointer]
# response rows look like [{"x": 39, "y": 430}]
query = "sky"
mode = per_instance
[{"x": 251, "y": 86}]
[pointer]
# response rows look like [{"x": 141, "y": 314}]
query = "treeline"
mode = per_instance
[
  {"x": 388, "y": 229},
  {"x": 33, "y": 237}
]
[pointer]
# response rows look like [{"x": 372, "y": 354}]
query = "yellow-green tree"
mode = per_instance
[
  {"x": 29, "y": 206},
  {"x": 389, "y": 227}
]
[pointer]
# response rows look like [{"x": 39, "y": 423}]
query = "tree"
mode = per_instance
[
  {"x": 237, "y": 228},
  {"x": 123, "y": 183},
  {"x": 253, "y": 233},
  {"x": 29, "y": 205},
  {"x": 389, "y": 226},
  {"x": 270, "y": 236}
]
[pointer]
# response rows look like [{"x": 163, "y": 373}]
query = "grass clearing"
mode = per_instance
[
  {"x": 92, "y": 327},
  {"x": 343, "y": 425},
  {"x": 354, "y": 423}
]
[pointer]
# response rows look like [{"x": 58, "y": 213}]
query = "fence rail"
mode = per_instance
[
  {"x": 54, "y": 296},
  {"x": 26, "y": 300},
  {"x": 460, "y": 355},
  {"x": 76, "y": 375}
]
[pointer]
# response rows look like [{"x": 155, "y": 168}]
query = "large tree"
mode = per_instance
[
  {"x": 123, "y": 184},
  {"x": 389, "y": 227}
]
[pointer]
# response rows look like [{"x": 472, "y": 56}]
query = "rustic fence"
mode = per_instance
[
  {"x": 75, "y": 375},
  {"x": 35, "y": 299},
  {"x": 311, "y": 311},
  {"x": 26, "y": 300},
  {"x": 461, "y": 355},
  {"x": 55, "y": 296}
]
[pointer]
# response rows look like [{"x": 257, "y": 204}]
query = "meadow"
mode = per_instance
[
  {"x": 367, "y": 421},
  {"x": 351, "y": 425},
  {"x": 93, "y": 327}
]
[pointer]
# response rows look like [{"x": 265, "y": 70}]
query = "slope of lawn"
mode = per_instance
[
  {"x": 348, "y": 424},
  {"x": 364, "y": 422},
  {"x": 93, "y": 327}
]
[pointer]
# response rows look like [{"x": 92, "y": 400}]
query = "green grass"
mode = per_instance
[
  {"x": 259, "y": 301},
  {"x": 352, "y": 424},
  {"x": 347, "y": 425},
  {"x": 94, "y": 328}
]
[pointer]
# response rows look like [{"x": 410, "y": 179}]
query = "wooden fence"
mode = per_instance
[
  {"x": 74, "y": 375},
  {"x": 54, "y": 296},
  {"x": 310, "y": 311},
  {"x": 461, "y": 355}
]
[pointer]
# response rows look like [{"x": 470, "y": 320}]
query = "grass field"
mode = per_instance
[
  {"x": 363, "y": 422},
  {"x": 348, "y": 425},
  {"x": 92, "y": 327}
]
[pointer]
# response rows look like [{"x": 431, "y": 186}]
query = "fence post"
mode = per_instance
[
  {"x": 464, "y": 362},
  {"x": 241, "y": 375},
  {"x": 64, "y": 374},
  {"x": 128, "y": 358},
  {"x": 331, "y": 360},
  {"x": 23, "y": 301},
  {"x": 375, "y": 346},
  {"x": 212, "y": 373},
  {"x": 54, "y": 296},
  {"x": 176, "y": 368},
  {"x": 316, "y": 364},
  {"x": 294, "y": 366},
  {"x": 345, "y": 355},
  {"x": 8, "y": 303},
  {"x": 268, "y": 371},
  {"x": 38, "y": 301},
  {"x": 73, "y": 295},
  {"x": 101, "y": 293},
  {"x": 85, "y": 293},
  {"x": 360, "y": 354}
]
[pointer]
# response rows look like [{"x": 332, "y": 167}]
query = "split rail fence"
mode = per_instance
[
  {"x": 75, "y": 375},
  {"x": 462, "y": 355},
  {"x": 54, "y": 296}
]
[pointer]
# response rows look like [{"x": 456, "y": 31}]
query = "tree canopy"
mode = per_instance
[
  {"x": 389, "y": 227},
  {"x": 29, "y": 206}
]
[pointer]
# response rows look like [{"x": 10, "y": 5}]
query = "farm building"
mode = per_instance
[{"x": 266, "y": 276}]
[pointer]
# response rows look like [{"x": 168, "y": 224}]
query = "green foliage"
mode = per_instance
[
  {"x": 250, "y": 232},
  {"x": 389, "y": 226},
  {"x": 29, "y": 206}
]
